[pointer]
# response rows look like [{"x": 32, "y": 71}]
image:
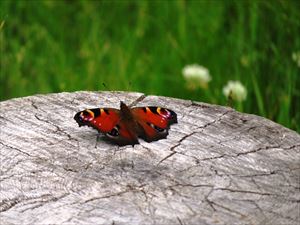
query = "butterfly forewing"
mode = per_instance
[{"x": 102, "y": 119}]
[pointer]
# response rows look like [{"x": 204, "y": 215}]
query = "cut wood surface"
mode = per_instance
[{"x": 217, "y": 166}]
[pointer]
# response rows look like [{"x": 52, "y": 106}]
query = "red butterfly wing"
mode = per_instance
[
  {"x": 104, "y": 120},
  {"x": 155, "y": 121},
  {"x": 109, "y": 122}
]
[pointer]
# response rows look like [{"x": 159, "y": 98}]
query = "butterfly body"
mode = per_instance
[{"x": 126, "y": 125}]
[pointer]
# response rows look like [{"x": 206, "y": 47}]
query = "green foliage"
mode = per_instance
[{"x": 54, "y": 46}]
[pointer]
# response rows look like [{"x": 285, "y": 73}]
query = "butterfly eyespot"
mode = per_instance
[
  {"x": 114, "y": 132},
  {"x": 169, "y": 114},
  {"x": 162, "y": 110},
  {"x": 156, "y": 127},
  {"x": 86, "y": 115},
  {"x": 165, "y": 112}
]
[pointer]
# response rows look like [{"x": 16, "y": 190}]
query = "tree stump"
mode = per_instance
[{"x": 217, "y": 166}]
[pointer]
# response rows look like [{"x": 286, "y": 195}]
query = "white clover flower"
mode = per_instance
[
  {"x": 235, "y": 90},
  {"x": 196, "y": 76},
  {"x": 296, "y": 57}
]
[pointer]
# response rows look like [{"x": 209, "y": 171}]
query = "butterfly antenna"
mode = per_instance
[
  {"x": 129, "y": 86},
  {"x": 127, "y": 89},
  {"x": 105, "y": 86},
  {"x": 113, "y": 92}
]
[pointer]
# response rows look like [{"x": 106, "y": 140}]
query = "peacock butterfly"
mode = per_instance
[{"x": 124, "y": 126}]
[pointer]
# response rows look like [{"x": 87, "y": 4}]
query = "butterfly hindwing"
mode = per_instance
[
  {"x": 122, "y": 134},
  {"x": 155, "y": 121}
]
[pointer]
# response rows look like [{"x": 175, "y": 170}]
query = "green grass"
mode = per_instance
[{"x": 54, "y": 46}]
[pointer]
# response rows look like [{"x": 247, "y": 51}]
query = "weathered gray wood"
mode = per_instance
[{"x": 217, "y": 166}]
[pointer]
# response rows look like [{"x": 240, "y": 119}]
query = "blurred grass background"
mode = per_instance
[{"x": 55, "y": 46}]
